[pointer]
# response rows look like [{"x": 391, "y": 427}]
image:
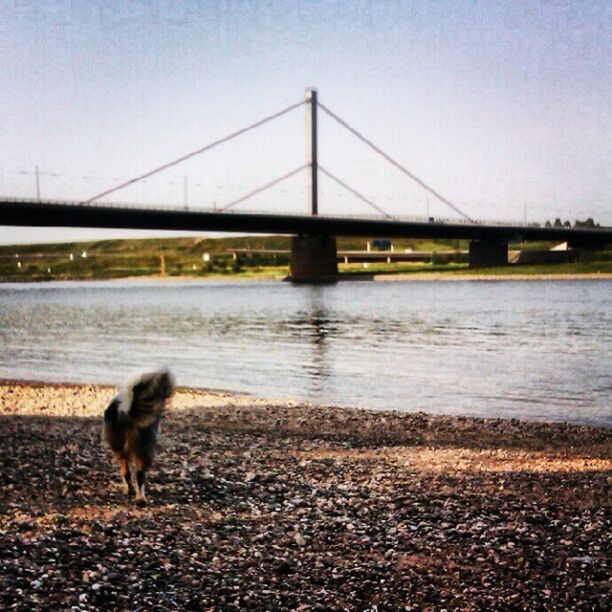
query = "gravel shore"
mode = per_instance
[{"x": 267, "y": 505}]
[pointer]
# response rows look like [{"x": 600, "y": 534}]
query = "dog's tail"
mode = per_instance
[{"x": 143, "y": 401}]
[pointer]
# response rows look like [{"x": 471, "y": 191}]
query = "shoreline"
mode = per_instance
[
  {"x": 374, "y": 277},
  {"x": 441, "y": 276},
  {"x": 256, "y": 504},
  {"x": 43, "y": 399},
  {"x": 238, "y": 397},
  {"x": 86, "y": 400}
]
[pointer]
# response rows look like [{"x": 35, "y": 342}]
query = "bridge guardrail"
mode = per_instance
[{"x": 179, "y": 208}]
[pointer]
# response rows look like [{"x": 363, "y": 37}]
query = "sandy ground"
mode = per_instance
[
  {"x": 264, "y": 505},
  {"x": 442, "y": 276}
]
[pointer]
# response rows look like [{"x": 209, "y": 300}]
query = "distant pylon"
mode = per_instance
[{"x": 311, "y": 147}]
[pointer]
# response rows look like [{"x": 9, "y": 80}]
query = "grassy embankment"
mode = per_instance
[{"x": 174, "y": 257}]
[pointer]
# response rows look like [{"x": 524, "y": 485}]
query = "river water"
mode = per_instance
[{"x": 534, "y": 349}]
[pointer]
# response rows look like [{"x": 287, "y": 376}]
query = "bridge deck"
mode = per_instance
[{"x": 49, "y": 214}]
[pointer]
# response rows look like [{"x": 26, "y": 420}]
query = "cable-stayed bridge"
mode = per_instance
[{"x": 314, "y": 250}]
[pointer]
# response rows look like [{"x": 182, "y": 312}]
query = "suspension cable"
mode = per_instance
[
  {"x": 354, "y": 192},
  {"x": 393, "y": 161},
  {"x": 280, "y": 179},
  {"x": 193, "y": 153}
]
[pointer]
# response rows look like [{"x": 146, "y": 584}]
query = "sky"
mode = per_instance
[{"x": 503, "y": 107}]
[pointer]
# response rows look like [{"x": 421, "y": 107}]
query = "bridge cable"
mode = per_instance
[
  {"x": 354, "y": 192},
  {"x": 193, "y": 153},
  {"x": 280, "y": 179},
  {"x": 393, "y": 161}
]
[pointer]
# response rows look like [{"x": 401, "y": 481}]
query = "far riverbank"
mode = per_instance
[
  {"x": 441, "y": 276},
  {"x": 276, "y": 275},
  {"x": 254, "y": 258}
]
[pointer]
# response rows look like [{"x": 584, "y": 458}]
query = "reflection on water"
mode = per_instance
[{"x": 519, "y": 349}]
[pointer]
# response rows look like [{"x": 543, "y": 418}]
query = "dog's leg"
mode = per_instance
[
  {"x": 126, "y": 475},
  {"x": 141, "y": 499},
  {"x": 141, "y": 469}
]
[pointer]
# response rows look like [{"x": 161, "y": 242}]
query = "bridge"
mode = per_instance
[{"x": 313, "y": 254}]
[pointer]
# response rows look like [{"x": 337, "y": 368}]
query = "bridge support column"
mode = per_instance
[
  {"x": 313, "y": 259},
  {"x": 488, "y": 253}
]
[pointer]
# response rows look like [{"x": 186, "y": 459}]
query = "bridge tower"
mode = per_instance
[
  {"x": 311, "y": 148},
  {"x": 313, "y": 258}
]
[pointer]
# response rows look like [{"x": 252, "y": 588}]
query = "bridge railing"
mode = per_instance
[{"x": 214, "y": 210}]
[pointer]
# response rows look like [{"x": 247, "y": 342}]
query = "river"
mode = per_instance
[{"x": 521, "y": 349}]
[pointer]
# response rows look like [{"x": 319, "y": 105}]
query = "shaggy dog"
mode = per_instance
[{"x": 131, "y": 426}]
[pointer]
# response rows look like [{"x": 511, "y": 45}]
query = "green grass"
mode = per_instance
[
  {"x": 108, "y": 259},
  {"x": 357, "y": 269}
]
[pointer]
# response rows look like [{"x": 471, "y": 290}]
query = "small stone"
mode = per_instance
[
  {"x": 283, "y": 568},
  {"x": 585, "y": 560}
]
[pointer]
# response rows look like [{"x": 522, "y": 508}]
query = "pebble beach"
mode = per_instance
[{"x": 264, "y": 505}]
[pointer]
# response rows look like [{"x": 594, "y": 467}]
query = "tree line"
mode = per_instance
[{"x": 589, "y": 222}]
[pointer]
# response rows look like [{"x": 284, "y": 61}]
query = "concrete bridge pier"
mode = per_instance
[
  {"x": 488, "y": 253},
  {"x": 313, "y": 259}
]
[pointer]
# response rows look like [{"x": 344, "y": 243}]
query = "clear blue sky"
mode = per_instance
[{"x": 501, "y": 106}]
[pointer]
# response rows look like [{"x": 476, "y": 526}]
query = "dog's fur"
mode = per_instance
[{"x": 131, "y": 426}]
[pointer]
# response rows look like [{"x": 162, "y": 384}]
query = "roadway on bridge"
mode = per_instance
[{"x": 30, "y": 213}]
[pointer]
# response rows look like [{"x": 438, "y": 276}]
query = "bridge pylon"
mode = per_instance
[
  {"x": 313, "y": 257},
  {"x": 313, "y": 260},
  {"x": 311, "y": 148},
  {"x": 488, "y": 253}
]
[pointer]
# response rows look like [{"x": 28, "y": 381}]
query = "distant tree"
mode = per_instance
[
  {"x": 557, "y": 223},
  {"x": 589, "y": 222},
  {"x": 567, "y": 224},
  {"x": 548, "y": 224}
]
